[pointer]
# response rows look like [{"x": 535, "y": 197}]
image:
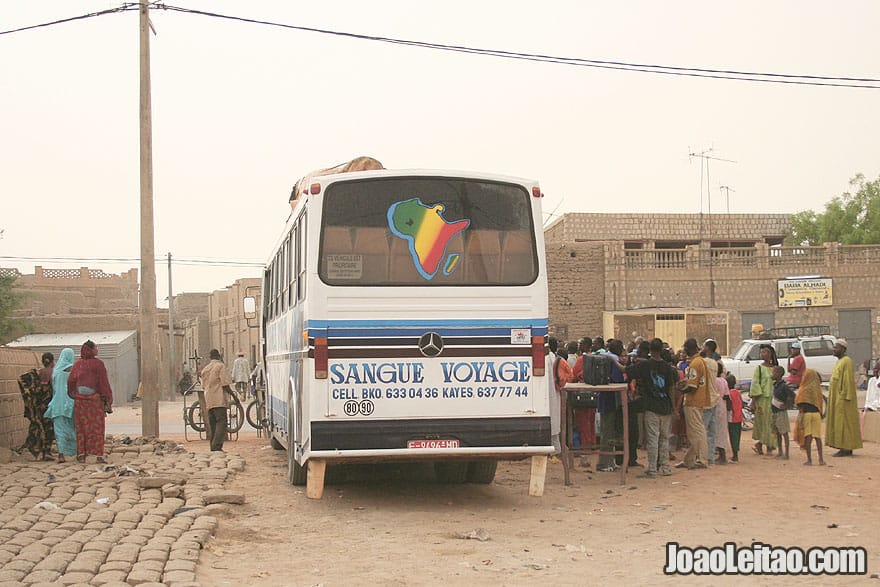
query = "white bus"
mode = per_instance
[{"x": 405, "y": 317}]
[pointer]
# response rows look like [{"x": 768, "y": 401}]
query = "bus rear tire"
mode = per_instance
[
  {"x": 297, "y": 474},
  {"x": 450, "y": 472},
  {"x": 482, "y": 472}
]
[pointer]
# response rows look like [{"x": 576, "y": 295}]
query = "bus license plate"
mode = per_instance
[{"x": 437, "y": 443}]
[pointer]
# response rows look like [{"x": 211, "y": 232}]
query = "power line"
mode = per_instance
[
  {"x": 753, "y": 76},
  {"x": 178, "y": 261},
  {"x": 128, "y": 6},
  {"x": 726, "y": 74}
]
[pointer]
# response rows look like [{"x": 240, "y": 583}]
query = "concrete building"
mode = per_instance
[
  {"x": 702, "y": 275},
  {"x": 77, "y": 300},
  {"x": 230, "y": 332}
]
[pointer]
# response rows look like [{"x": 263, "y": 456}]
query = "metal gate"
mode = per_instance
[
  {"x": 671, "y": 328},
  {"x": 855, "y": 327}
]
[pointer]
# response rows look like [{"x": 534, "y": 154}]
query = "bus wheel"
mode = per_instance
[
  {"x": 275, "y": 444},
  {"x": 297, "y": 474},
  {"x": 449, "y": 472},
  {"x": 481, "y": 471}
]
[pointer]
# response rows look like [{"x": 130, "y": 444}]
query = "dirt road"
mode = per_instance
[{"x": 394, "y": 525}]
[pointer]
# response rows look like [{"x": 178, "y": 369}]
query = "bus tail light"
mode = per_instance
[
  {"x": 537, "y": 356},
  {"x": 536, "y": 192},
  {"x": 320, "y": 358}
]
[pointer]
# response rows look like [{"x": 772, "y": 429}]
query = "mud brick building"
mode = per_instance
[{"x": 677, "y": 275}]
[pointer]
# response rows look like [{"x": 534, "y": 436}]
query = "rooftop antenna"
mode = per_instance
[
  {"x": 705, "y": 157},
  {"x": 549, "y": 216},
  {"x": 727, "y": 189}
]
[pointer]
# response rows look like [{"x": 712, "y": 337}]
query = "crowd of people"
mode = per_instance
[
  {"x": 686, "y": 401},
  {"x": 66, "y": 403}
]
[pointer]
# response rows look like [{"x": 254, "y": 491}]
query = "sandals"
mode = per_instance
[
  {"x": 757, "y": 450},
  {"x": 100, "y": 460},
  {"x": 80, "y": 458}
]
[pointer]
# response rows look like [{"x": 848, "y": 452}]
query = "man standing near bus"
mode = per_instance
[
  {"x": 241, "y": 371},
  {"x": 217, "y": 384}
]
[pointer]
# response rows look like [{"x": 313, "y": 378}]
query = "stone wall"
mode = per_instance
[
  {"x": 76, "y": 300},
  {"x": 576, "y": 288},
  {"x": 13, "y": 425}
]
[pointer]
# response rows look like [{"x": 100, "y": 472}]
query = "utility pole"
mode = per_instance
[
  {"x": 149, "y": 356},
  {"x": 171, "y": 360}
]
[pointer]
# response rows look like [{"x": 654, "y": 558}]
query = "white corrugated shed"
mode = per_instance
[{"x": 118, "y": 349}]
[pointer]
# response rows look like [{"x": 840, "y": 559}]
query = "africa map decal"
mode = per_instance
[{"x": 427, "y": 233}]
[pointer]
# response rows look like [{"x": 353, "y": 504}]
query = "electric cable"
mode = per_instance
[{"x": 753, "y": 76}]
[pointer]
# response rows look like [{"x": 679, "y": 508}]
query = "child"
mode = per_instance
[
  {"x": 779, "y": 404},
  {"x": 809, "y": 403},
  {"x": 734, "y": 417}
]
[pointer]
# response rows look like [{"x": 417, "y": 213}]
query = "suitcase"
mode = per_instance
[{"x": 597, "y": 370}]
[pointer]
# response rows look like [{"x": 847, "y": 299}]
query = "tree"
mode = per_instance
[
  {"x": 852, "y": 218},
  {"x": 10, "y": 301}
]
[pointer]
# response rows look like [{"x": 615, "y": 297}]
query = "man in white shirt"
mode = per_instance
[{"x": 241, "y": 371}]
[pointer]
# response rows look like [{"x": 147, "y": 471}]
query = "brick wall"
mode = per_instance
[
  {"x": 576, "y": 288},
  {"x": 74, "y": 300},
  {"x": 13, "y": 425}
]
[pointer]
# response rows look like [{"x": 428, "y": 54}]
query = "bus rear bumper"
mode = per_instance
[{"x": 468, "y": 453}]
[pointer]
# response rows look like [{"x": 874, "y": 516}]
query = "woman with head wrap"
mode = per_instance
[
  {"x": 61, "y": 407},
  {"x": 36, "y": 392},
  {"x": 761, "y": 392},
  {"x": 90, "y": 388}
]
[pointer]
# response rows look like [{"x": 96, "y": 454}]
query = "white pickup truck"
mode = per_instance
[{"x": 817, "y": 352}]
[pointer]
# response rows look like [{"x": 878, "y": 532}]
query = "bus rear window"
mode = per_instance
[{"x": 427, "y": 231}]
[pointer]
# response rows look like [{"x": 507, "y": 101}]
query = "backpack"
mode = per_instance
[{"x": 597, "y": 370}]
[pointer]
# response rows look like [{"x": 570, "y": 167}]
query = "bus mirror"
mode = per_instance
[{"x": 249, "y": 304}]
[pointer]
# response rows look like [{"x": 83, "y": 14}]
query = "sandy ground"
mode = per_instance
[{"x": 394, "y": 525}]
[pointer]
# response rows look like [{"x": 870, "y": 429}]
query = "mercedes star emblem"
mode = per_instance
[{"x": 431, "y": 344}]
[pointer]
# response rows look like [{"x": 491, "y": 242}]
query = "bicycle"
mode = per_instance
[
  {"x": 256, "y": 409},
  {"x": 194, "y": 417}
]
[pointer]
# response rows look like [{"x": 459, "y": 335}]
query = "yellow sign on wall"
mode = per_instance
[{"x": 804, "y": 292}]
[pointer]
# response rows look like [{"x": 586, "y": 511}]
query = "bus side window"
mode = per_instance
[
  {"x": 372, "y": 244},
  {"x": 517, "y": 261},
  {"x": 483, "y": 256}
]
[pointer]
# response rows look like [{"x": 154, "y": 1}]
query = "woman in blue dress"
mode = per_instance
[{"x": 61, "y": 407}]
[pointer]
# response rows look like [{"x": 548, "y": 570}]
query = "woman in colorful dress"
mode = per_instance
[
  {"x": 92, "y": 396},
  {"x": 761, "y": 392},
  {"x": 36, "y": 392},
  {"x": 61, "y": 407}
]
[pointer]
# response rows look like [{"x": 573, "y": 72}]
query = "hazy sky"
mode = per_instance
[{"x": 241, "y": 111}]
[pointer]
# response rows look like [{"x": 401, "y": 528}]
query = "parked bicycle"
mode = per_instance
[
  {"x": 194, "y": 416},
  {"x": 256, "y": 409}
]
